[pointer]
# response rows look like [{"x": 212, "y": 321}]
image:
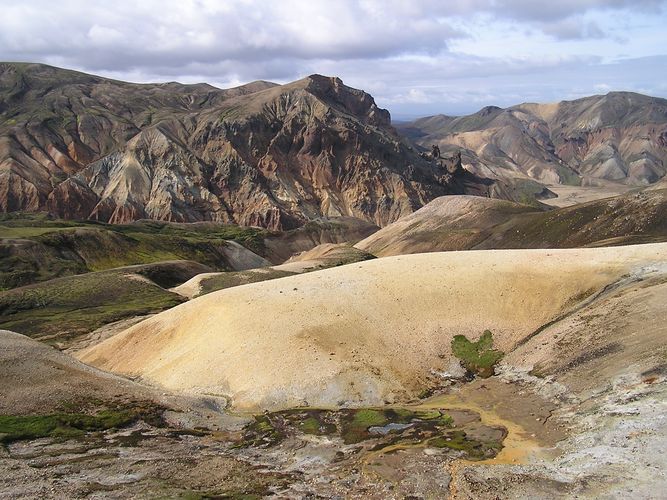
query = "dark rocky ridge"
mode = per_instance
[{"x": 84, "y": 147}]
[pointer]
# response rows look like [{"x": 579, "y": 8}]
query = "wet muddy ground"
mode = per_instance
[
  {"x": 373, "y": 451},
  {"x": 389, "y": 452},
  {"x": 487, "y": 439}
]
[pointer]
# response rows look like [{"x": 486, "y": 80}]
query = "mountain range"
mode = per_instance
[
  {"x": 413, "y": 320},
  {"x": 277, "y": 156},
  {"x": 619, "y": 137},
  {"x": 85, "y": 147}
]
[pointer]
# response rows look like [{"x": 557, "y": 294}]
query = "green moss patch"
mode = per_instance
[
  {"x": 355, "y": 424},
  {"x": 458, "y": 440},
  {"x": 262, "y": 432},
  {"x": 316, "y": 425},
  {"x": 71, "y": 425},
  {"x": 477, "y": 357}
]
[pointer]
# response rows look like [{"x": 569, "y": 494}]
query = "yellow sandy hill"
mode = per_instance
[{"x": 364, "y": 333}]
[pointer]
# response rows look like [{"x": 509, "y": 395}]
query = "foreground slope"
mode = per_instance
[
  {"x": 300, "y": 341},
  {"x": 37, "y": 379},
  {"x": 467, "y": 222}
]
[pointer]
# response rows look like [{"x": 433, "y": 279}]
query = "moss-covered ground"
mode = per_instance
[
  {"x": 477, "y": 357},
  {"x": 34, "y": 247},
  {"x": 64, "y": 308},
  {"x": 458, "y": 440},
  {"x": 68, "y": 425},
  {"x": 376, "y": 427}
]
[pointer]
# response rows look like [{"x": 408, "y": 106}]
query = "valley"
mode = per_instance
[{"x": 424, "y": 426}]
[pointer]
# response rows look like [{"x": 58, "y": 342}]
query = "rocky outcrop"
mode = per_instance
[{"x": 85, "y": 147}]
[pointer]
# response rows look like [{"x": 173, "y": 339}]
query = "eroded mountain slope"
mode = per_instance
[
  {"x": 621, "y": 137},
  {"x": 274, "y": 156}
]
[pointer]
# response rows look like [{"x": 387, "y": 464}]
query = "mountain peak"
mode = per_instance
[
  {"x": 332, "y": 91},
  {"x": 324, "y": 80},
  {"x": 317, "y": 81},
  {"x": 259, "y": 154}
]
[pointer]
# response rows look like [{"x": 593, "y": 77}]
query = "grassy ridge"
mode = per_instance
[
  {"x": 67, "y": 425},
  {"x": 62, "y": 425},
  {"x": 62, "y": 309},
  {"x": 341, "y": 256},
  {"x": 231, "y": 279},
  {"x": 34, "y": 248}
]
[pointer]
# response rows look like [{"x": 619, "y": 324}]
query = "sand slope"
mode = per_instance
[
  {"x": 36, "y": 378},
  {"x": 470, "y": 222},
  {"x": 446, "y": 223},
  {"x": 364, "y": 333}
]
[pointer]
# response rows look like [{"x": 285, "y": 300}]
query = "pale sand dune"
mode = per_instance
[{"x": 359, "y": 334}]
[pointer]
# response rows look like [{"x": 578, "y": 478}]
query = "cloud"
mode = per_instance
[
  {"x": 127, "y": 34},
  {"x": 528, "y": 81},
  {"x": 602, "y": 87},
  {"x": 416, "y": 96},
  {"x": 571, "y": 28},
  {"x": 554, "y": 11},
  {"x": 153, "y": 33},
  {"x": 408, "y": 53}
]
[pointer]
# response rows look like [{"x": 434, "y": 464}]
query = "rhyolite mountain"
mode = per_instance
[
  {"x": 618, "y": 137},
  {"x": 86, "y": 147}
]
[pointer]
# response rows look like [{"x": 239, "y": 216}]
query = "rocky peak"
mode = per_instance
[
  {"x": 261, "y": 154},
  {"x": 489, "y": 110},
  {"x": 334, "y": 92}
]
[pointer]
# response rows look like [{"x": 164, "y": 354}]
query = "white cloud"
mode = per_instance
[
  {"x": 411, "y": 55},
  {"x": 101, "y": 36},
  {"x": 413, "y": 96}
]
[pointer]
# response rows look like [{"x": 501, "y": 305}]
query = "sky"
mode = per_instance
[{"x": 415, "y": 57}]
